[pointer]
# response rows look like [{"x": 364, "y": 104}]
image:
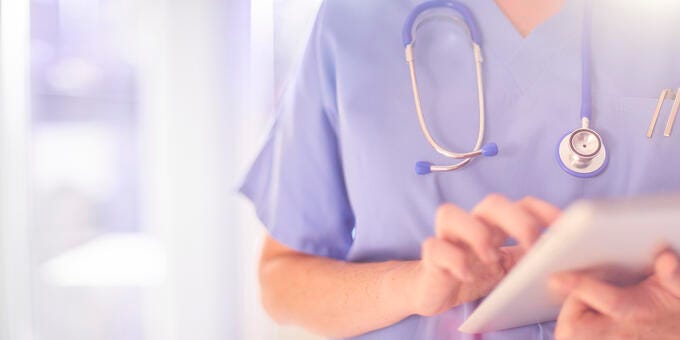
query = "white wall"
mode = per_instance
[
  {"x": 188, "y": 137},
  {"x": 207, "y": 91},
  {"x": 15, "y": 304}
]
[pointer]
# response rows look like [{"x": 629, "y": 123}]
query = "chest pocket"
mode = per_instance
[
  {"x": 655, "y": 162},
  {"x": 640, "y": 165}
]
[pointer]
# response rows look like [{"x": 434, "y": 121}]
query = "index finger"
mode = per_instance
[
  {"x": 504, "y": 214},
  {"x": 543, "y": 211},
  {"x": 454, "y": 224}
]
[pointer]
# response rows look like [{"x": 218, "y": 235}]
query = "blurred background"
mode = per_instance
[{"x": 125, "y": 127}]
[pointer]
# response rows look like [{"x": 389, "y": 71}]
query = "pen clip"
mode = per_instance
[
  {"x": 674, "y": 114},
  {"x": 659, "y": 105},
  {"x": 664, "y": 94}
]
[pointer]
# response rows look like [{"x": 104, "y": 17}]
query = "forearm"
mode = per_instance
[{"x": 336, "y": 298}]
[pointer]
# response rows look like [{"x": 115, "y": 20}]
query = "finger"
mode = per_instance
[
  {"x": 498, "y": 211},
  {"x": 600, "y": 296},
  {"x": 455, "y": 224},
  {"x": 510, "y": 256},
  {"x": 446, "y": 256},
  {"x": 543, "y": 211},
  {"x": 576, "y": 320},
  {"x": 667, "y": 268},
  {"x": 571, "y": 312}
]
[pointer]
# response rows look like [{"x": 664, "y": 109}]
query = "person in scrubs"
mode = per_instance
[{"x": 359, "y": 246}]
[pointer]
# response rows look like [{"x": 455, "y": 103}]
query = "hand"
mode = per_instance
[
  {"x": 465, "y": 260},
  {"x": 596, "y": 310}
]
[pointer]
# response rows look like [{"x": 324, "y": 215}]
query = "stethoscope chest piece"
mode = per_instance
[{"x": 582, "y": 153}]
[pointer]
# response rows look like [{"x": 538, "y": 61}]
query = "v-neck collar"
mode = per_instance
[
  {"x": 502, "y": 36},
  {"x": 526, "y": 57}
]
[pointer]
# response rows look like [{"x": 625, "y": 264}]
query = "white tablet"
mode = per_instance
[{"x": 617, "y": 239}]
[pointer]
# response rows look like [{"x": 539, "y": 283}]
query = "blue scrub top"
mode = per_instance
[{"x": 336, "y": 176}]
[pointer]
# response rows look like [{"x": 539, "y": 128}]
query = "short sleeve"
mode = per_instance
[{"x": 296, "y": 182}]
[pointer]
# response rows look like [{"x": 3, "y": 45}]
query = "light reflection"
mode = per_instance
[
  {"x": 73, "y": 76},
  {"x": 111, "y": 260}
]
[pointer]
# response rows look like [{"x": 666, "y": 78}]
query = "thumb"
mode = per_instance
[{"x": 667, "y": 269}]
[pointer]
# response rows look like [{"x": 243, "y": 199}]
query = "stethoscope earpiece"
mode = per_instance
[
  {"x": 490, "y": 150},
  {"x": 423, "y": 168}
]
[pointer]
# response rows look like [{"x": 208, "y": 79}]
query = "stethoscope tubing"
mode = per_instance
[
  {"x": 421, "y": 117},
  {"x": 586, "y": 75},
  {"x": 407, "y": 32},
  {"x": 409, "y": 43}
]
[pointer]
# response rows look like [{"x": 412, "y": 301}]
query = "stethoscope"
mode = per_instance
[{"x": 580, "y": 152}]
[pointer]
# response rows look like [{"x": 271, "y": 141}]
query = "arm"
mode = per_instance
[
  {"x": 330, "y": 297},
  {"x": 341, "y": 299}
]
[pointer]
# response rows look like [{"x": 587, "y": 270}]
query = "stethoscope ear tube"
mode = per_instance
[
  {"x": 488, "y": 150},
  {"x": 465, "y": 13}
]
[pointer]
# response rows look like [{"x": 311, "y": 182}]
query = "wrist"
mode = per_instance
[{"x": 399, "y": 286}]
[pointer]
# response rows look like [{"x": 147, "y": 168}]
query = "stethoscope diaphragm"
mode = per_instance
[{"x": 582, "y": 153}]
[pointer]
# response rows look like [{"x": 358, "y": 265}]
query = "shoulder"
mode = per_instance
[
  {"x": 356, "y": 18},
  {"x": 359, "y": 8}
]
